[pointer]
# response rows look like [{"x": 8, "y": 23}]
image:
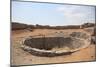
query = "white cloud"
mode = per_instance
[{"x": 76, "y": 14}]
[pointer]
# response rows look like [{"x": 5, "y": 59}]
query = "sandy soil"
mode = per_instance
[{"x": 20, "y": 57}]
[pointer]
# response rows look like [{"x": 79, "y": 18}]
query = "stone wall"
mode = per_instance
[
  {"x": 45, "y": 43},
  {"x": 51, "y": 42},
  {"x": 42, "y": 46}
]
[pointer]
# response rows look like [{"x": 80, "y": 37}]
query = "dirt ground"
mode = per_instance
[{"x": 21, "y": 57}]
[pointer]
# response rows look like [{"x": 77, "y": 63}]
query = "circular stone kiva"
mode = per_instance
[{"x": 50, "y": 46}]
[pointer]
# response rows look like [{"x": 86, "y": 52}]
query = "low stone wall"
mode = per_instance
[
  {"x": 46, "y": 53},
  {"x": 45, "y": 43},
  {"x": 53, "y": 42}
]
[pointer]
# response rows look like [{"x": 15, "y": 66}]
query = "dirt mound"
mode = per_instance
[{"x": 86, "y": 25}]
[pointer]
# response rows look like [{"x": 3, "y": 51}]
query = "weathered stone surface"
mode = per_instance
[{"x": 79, "y": 35}]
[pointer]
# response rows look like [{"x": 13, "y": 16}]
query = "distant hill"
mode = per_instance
[{"x": 20, "y": 26}]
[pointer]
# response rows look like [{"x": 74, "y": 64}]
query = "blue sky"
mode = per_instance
[{"x": 51, "y": 14}]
